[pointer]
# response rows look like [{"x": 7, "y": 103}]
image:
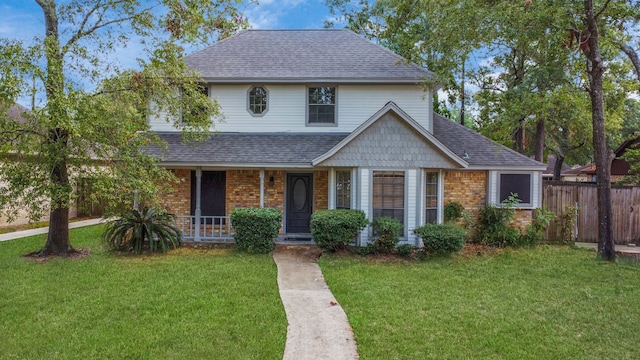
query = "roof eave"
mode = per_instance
[
  {"x": 237, "y": 165},
  {"x": 311, "y": 80}
]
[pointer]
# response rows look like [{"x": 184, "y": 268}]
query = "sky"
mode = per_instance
[{"x": 23, "y": 19}]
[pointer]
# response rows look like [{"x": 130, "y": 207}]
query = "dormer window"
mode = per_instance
[
  {"x": 322, "y": 105},
  {"x": 258, "y": 100}
]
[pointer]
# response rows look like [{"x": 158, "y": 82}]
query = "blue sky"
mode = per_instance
[{"x": 23, "y": 19}]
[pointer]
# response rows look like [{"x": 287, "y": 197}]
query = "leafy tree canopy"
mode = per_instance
[{"x": 73, "y": 134}]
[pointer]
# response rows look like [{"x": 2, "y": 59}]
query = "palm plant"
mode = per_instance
[{"x": 151, "y": 228}]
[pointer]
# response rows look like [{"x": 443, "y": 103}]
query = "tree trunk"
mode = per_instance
[
  {"x": 519, "y": 140},
  {"x": 557, "y": 167},
  {"x": 57, "y": 142},
  {"x": 539, "y": 151},
  {"x": 595, "y": 71}
]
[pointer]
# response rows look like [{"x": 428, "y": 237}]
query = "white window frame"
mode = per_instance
[
  {"x": 266, "y": 107},
  {"x": 534, "y": 187},
  {"x": 335, "y": 105}
]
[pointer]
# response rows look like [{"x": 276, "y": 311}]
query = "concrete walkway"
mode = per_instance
[
  {"x": 317, "y": 325},
  {"x": 44, "y": 230}
]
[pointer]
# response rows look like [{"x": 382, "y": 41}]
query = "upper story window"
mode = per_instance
[
  {"x": 322, "y": 105},
  {"x": 258, "y": 100}
]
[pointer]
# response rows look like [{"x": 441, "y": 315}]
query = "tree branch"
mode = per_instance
[
  {"x": 633, "y": 56},
  {"x": 98, "y": 25},
  {"x": 604, "y": 7}
]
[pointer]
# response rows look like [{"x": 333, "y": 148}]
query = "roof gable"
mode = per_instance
[
  {"x": 390, "y": 139},
  {"x": 302, "y": 56}
]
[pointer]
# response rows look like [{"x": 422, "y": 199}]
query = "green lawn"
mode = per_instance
[
  {"x": 546, "y": 303},
  {"x": 188, "y": 304}
]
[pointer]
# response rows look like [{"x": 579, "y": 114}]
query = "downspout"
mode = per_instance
[{"x": 261, "y": 188}]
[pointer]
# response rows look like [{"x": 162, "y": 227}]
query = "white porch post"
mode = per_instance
[
  {"x": 198, "y": 202},
  {"x": 261, "y": 188},
  {"x": 332, "y": 188}
]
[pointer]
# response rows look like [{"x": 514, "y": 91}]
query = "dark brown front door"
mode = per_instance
[{"x": 299, "y": 203}]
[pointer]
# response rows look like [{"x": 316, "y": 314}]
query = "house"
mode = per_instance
[
  {"x": 619, "y": 166},
  {"x": 318, "y": 119}
]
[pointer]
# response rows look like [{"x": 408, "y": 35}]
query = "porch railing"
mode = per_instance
[{"x": 211, "y": 228}]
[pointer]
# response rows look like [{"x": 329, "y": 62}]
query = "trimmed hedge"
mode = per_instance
[
  {"x": 387, "y": 231},
  {"x": 256, "y": 228},
  {"x": 441, "y": 239},
  {"x": 335, "y": 229}
]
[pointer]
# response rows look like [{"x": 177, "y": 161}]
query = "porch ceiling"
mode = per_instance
[{"x": 247, "y": 148}]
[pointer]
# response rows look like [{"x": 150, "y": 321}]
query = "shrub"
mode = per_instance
[
  {"x": 492, "y": 225},
  {"x": 387, "y": 231},
  {"x": 535, "y": 231},
  {"x": 405, "y": 250},
  {"x": 441, "y": 239},
  {"x": 153, "y": 229},
  {"x": 335, "y": 229},
  {"x": 453, "y": 211},
  {"x": 256, "y": 228}
]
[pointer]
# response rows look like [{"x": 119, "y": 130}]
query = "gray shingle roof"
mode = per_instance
[
  {"x": 248, "y": 148},
  {"x": 482, "y": 151},
  {"x": 303, "y": 56}
]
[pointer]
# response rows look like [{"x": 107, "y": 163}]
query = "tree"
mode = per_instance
[{"x": 100, "y": 133}]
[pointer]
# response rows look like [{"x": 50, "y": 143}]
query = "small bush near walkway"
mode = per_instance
[
  {"x": 335, "y": 229},
  {"x": 256, "y": 228}
]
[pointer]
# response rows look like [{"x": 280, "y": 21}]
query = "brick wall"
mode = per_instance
[
  {"x": 320, "y": 190},
  {"x": 178, "y": 200},
  {"x": 469, "y": 188},
  {"x": 243, "y": 189}
]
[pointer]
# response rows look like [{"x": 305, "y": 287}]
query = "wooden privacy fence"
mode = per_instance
[{"x": 582, "y": 224}]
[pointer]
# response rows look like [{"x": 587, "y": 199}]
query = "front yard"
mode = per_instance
[
  {"x": 545, "y": 303},
  {"x": 188, "y": 304}
]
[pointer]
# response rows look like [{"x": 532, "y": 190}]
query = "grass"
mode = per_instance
[
  {"x": 187, "y": 304},
  {"x": 545, "y": 303}
]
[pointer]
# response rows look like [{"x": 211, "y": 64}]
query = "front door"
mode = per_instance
[{"x": 299, "y": 203}]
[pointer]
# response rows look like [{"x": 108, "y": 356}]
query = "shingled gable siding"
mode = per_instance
[{"x": 389, "y": 143}]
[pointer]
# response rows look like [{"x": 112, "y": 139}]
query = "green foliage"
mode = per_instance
[
  {"x": 441, "y": 239},
  {"x": 256, "y": 228},
  {"x": 492, "y": 225},
  {"x": 535, "y": 231},
  {"x": 405, "y": 250},
  {"x": 387, "y": 232},
  {"x": 453, "y": 211},
  {"x": 335, "y": 229},
  {"x": 80, "y": 91},
  {"x": 151, "y": 229},
  {"x": 567, "y": 224}
]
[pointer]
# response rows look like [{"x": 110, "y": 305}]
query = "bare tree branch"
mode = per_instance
[
  {"x": 633, "y": 56},
  {"x": 604, "y": 7}
]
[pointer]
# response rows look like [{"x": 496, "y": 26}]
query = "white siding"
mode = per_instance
[
  {"x": 287, "y": 107},
  {"x": 410, "y": 206},
  {"x": 364, "y": 198}
]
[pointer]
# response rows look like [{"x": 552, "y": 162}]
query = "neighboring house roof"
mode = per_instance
[
  {"x": 548, "y": 172},
  {"x": 619, "y": 166},
  {"x": 247, "y": 149},
  {"x": 303, "y": 56},
  {"x": 16, "y": 111},
  {"x": 482, "y": 152}
]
